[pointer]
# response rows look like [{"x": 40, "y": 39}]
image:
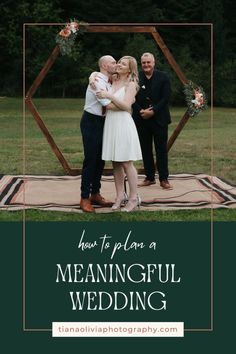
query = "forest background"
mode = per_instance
[{"x": 69, "y": 75}]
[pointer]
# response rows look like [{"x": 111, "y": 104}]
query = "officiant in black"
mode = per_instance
[{"x": 152, "y": 117}]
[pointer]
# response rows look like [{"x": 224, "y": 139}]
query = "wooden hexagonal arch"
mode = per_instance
[{"x": 103, "y": 28}]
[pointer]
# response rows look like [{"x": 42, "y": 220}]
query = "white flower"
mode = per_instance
[
  {"x": 74, "y": 26},
  {"x": 143, "y": 87}
]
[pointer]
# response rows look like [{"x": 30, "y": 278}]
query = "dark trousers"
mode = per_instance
[
  {"x": 150, "y": 131},
  {"x": 92, "y": 131}
]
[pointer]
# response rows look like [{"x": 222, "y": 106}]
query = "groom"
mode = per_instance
[{"x": 91, "y": 126}]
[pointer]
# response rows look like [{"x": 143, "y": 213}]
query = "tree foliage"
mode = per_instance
[{"x": 190, "y": 45}]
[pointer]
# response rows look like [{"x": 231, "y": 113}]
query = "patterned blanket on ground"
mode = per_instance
[{"x": 62, "y": 193}]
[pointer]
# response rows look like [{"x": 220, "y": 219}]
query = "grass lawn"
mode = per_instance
[
  {"x": 191, "y": 153},
  {"x": 160, "y": 216}
]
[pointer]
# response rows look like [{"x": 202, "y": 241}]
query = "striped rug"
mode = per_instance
[{"x": 62, "y": 193}]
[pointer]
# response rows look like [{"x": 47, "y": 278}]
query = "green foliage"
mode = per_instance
[
  {"x": 15, "y": 14},
  {"x": 115, "y": 11},
  {"x": 190, "y": 45},
  {"x": 137, "y": 44},
  {"x": 66, "y": 44},
  {"x": 225, "y": 85}
]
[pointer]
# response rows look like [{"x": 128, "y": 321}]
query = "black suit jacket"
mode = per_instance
[{"x": 159, "y": 98}]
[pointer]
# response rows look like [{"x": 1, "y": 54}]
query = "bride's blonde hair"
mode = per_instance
[{"x": 133, "y": 67}]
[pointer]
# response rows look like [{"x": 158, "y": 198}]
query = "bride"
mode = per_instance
[{"x": 120, "y": 138}]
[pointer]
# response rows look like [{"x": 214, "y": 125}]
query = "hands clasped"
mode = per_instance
[{"x": 147, "y": 113}]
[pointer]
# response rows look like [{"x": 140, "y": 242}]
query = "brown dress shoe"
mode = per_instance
[
  {"x": 99, "y": 200},
  {"x": 146, "y": 182},
  {"x": 86, "y": 206},
  {"x": 165, "y": 184}
]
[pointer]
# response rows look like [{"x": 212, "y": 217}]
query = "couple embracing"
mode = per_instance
[{"x": 113, "y": 138}]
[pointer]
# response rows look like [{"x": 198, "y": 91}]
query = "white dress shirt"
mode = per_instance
[{"x": 92, "y": 103}]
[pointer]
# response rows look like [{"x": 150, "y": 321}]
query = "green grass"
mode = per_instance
[
  {"x": 191, "y": 153},
  {"x": 157, "y": 216}
]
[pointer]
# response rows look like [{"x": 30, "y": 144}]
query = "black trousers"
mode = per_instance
[
  {"x": 150, "y": 131},
  {"x": 92, "y": 132}
]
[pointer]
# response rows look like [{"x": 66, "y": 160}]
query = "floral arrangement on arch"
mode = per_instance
[
  {"x": 195, "y": 98},
  {"x": 66, "y": 37}
]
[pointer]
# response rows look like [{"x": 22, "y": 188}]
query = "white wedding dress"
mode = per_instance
[{"x": 120, "y": 137}]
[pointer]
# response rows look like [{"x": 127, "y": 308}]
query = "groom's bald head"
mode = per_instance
[
  {"x": 104, "y": 60},
  {"x": 107, "y": 64}
]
